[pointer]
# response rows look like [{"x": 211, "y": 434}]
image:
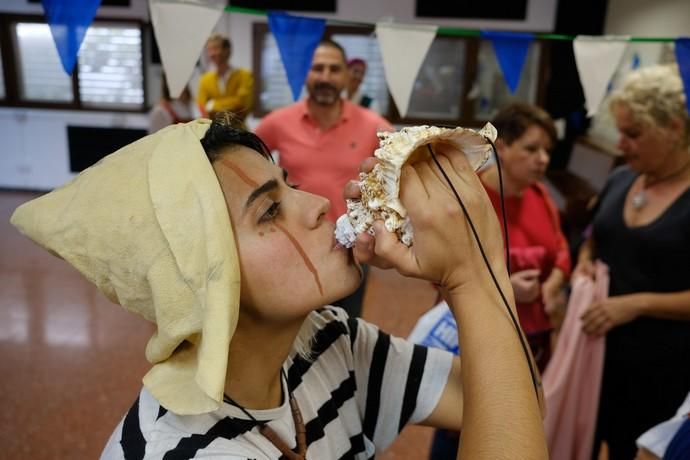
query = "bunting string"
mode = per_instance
[
  {"x": 597, "y": 57},
  {"x": 451, "y": 31},
  {"x": 181, "y": 42}
]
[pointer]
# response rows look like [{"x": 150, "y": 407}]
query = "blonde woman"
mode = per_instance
[{"x": 641, "y": 231}]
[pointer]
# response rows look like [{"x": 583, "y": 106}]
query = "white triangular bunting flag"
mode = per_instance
[
  {"x": 597, "y": 58},
  {"x": 181, "y": 28},
  {"x": 403, "y": 49}
]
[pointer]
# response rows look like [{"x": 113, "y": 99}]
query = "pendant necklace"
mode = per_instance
[
  {"x": 639, "y": 199},
  {"x": 268, "y": 432}
]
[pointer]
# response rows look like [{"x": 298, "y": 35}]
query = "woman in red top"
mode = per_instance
[{"x": 539, "y": 259}]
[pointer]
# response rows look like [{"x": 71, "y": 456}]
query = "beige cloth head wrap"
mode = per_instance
[{"x": 150, "y": 227}]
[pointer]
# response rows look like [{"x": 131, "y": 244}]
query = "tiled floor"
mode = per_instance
[{"x": 72, "y": 362}]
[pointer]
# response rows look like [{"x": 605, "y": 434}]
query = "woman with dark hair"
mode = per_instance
[
  {"x": 198, "y": 231},
  {"x": 540, "y": 258}
]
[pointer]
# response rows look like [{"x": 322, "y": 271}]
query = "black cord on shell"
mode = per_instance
[{"x": 533, "y": 374}]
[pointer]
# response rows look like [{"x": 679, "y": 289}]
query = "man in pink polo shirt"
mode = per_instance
[{"x": 322, "y": 140}]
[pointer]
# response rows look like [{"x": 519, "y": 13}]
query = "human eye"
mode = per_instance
[{"x": 271, "y": 213}]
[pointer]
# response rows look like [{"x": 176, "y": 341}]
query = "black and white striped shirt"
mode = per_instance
[{"x": 359, "y": 391}]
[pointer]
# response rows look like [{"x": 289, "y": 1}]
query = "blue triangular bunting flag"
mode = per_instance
[
  {"x": 297, "y": 38},
  {"x": 511, "y": 51},
  {"x": 683, "y": 59},
  {"x": 69, "y": 20}
]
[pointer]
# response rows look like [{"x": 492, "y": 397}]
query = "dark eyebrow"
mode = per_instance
[{"x": 266, "y": 187}]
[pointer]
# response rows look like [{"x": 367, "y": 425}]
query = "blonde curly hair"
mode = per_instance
[{"x": 655, "y": 96}]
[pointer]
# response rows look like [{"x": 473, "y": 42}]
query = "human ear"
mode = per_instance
[{"x": 676, "y": 130}]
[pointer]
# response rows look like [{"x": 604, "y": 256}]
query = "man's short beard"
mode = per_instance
[{"x": 324, "y": 98}]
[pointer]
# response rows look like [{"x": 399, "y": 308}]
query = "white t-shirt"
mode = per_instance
[
  {"x": 362, "y": 387},
  {"x": 658, "y": 438}
]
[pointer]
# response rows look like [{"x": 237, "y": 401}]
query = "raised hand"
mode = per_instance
[{"x": 526, "y": 285}]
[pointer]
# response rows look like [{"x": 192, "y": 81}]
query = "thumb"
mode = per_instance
[
  {"x": 532, "y": 273},
  {"x": 389, "y": 248}
]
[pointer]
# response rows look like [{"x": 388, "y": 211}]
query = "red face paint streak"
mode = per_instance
[
  {"x": 247, "y": 180},
  {"x": 307, "y": 262},
  {"x": 292, "y": 239}
]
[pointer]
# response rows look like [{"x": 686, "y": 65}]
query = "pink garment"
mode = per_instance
[{"x": 572, "y": 380}]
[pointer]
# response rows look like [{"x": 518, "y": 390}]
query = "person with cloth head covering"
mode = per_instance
[
  {"x": 640, "y": 230},
  {"x": 322, "y": 139},
  {"x": 195, "y": 229}
]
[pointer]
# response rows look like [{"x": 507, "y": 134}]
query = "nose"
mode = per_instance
[
  {"x": 544, "y": 156},
  {"x": 312, "y": 208},
  {"x": 324, "y": 75},
  {"x": 321, "y": 207}
]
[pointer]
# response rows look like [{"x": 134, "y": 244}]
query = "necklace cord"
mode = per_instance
[
  {"x": 676, "y": 173},
  {"x": 267, "y": 432},
  {"x": 639, "y": 199},
  {"x": 486, "y": 260}
]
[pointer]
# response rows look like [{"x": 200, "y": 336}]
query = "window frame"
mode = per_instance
[
  {"x": 10, "y": 68},
  {"x": 466, "y": 118}
]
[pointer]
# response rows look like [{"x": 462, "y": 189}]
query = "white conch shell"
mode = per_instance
[{"x": 380, "y": 188}]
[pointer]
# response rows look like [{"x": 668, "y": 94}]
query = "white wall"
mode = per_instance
[
  {"x": 645, "y": 18},
  {"x": 34, "y": 153}
]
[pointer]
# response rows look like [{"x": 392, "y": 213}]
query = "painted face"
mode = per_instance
[
  {"x": 327, "y": 76},
  {"x": 525, "y": 160},
  {"x": 643, "y": 144},
  {"x": 217, "y": 54},
  {"x": 289, "y": 260}
]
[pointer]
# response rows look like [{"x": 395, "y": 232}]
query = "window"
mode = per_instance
[
  {"x": 459, "y": 83},
  {"x": 274, "y": 90},
  {"x": 491, "y": 91},
  {"x": 110, "y": 70},
  {"x": 437, "y": 93},
  {"x": 41, "y": 76},
  {"x": 108, "y": 75},
  {"x": 366, "y": 47}
]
